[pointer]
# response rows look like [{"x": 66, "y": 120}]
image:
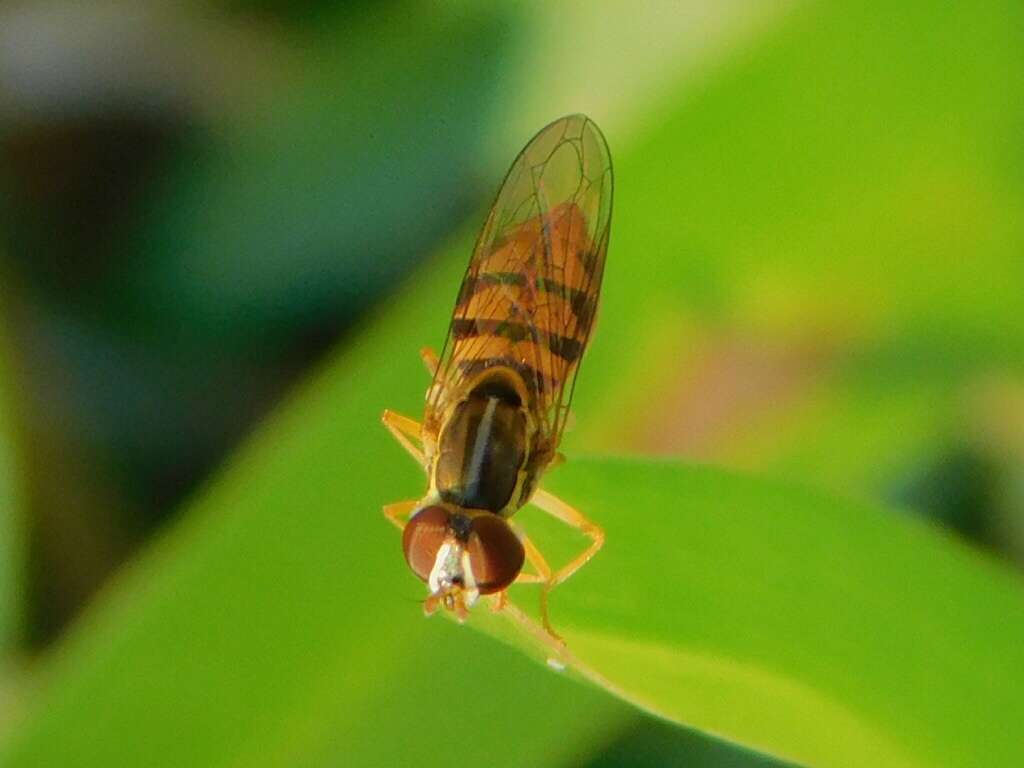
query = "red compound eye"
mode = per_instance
[
  {"x": 495, "y": 553},
  {"x": 423, "y": 536}
]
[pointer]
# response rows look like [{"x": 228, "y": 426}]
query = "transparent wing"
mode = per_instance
[{"x": 529, "y": 296}]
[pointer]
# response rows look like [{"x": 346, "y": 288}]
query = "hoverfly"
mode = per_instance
[{"x": 504, "y": 380}]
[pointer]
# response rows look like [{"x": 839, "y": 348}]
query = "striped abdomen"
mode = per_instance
[{"x": 529, "y": 305}]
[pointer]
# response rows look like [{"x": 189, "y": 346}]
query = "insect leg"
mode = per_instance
[
  {"x": 558, "y": 508},
  {"x": 534, "y": 558},
  {"x": 430, "y": 360},
  {"x": 395, "y": 512},
  {"x": 542, "y": 576},
  {"x": 403, "y": 428},
  {"x": 499, "y": 601},
  {"x": 555, "y": 645}
]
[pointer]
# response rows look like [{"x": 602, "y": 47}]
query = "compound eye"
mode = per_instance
[
  {"x": 422, "y": 538},
  {"x": 495, "y": 553}
]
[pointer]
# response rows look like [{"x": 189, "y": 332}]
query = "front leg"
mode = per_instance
[
  {"x": 542, "y": 575},
  {"x": 557, "y": 655},
  {"x": 400, "y": 509}
]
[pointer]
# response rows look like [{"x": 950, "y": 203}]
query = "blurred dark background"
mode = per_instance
[{"x": 197, "y": 203}]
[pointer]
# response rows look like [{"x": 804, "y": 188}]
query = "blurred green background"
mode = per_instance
[{"x": 212, "y": 212}]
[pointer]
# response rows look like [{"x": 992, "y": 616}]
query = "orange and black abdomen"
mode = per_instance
[
  {"x": 531, "y": 303},
  {"x": 528, "y": 299}
]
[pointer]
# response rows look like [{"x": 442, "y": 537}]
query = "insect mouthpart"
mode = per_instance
[{"x": 451, "y": 581}]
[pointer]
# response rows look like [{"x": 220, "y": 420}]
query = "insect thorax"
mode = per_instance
[{"x": 483, "y": 447}]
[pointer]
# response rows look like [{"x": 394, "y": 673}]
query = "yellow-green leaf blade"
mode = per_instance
[{"x": 822, "y": 630}]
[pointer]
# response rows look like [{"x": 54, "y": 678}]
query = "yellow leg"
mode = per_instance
[
  {"x": 557, "y": 653},
  {"x": 534, "y": 558},
  {"x": 499, "y": 601},
  {"x": 395, "y": 512},
  {"x": 558, "y": 508},
  {"x": 542, "y": 575},
  {"x": 404, "y": 428},
  {"x": 430, "y": 360}
]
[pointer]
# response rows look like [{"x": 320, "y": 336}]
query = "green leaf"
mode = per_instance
[
  {"x": 820, "y": 630},
  {"x": 279, "y": 625}
]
